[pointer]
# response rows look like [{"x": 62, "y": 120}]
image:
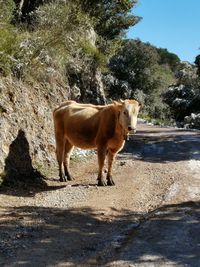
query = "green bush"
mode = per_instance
[
  {"x": 9, "y": 47},
  {"x": 94, "y": 54},
  {"x": 59, "y": 30},
  {"x": 6, "y": 11}
]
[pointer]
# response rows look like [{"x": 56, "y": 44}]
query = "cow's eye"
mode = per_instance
[{"x": 125, "y": 113}]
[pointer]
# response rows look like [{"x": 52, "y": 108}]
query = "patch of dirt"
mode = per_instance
[{"x": 142, "y": 221}]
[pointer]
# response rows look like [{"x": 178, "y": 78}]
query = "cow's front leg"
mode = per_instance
[
  {"x": 101, "y": 152},
  {"x": 111, "y": 157}
]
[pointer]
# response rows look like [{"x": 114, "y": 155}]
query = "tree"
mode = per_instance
[
  {"x": 112, "y": 17},
  {"x": 135, "y": 63},
  {"x": 171, "y": 59},
  {"x": 197, "y": 63}
]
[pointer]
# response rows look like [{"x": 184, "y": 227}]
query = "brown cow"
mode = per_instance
[{"x": 90, "y": 126}]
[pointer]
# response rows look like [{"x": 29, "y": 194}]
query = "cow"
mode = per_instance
[{"x": 88, "y": 126}]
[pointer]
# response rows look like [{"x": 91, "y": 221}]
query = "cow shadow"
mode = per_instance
[
  {"x": 19, "y": 176},
  {"x": 77, "y": 237},
  {"x": 167, "y": 146}
]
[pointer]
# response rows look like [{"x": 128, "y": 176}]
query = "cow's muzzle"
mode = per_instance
[{"x": 131, "y": 129}]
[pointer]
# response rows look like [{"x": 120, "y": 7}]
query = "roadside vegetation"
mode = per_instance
[{"x": 76, "y": 40}]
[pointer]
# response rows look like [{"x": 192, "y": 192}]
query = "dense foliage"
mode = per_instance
[
  {"x": 167, "y": 58},
  {"x": 63, "y": 30},
  {"x": 197, "y": 62},
  {"x": 135, "y": 63}
]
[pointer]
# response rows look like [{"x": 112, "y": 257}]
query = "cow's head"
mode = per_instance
[{"x": 129, "y": 110}]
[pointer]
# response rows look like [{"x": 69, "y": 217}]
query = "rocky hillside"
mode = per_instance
[{"x": 27, "y": 135}]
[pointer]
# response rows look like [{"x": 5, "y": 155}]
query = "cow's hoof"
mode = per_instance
[
  {"x": 70, "y": 178},
  {"x": 62, "y": 180},
  {"x": 101, "y": 183},
  {"x": 110, "y": 182}
]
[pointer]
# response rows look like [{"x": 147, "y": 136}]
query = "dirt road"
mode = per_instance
[{"x": 150, "y": 218}]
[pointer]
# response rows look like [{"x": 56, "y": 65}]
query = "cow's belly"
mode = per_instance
[
  {"x": 82, "y": 141},
  {"x": 81, "y": 134}
]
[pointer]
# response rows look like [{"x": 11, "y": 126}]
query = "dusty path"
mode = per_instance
[{"x": 150, "y": 218}]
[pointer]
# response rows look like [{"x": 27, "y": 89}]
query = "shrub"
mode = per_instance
[
  {"x": 183, "y": 101},
  {"x": 9, "y": 47},
  {"x": 6, "y": 11}
]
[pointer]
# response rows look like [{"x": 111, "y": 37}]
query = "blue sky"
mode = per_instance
[{"x": 171, "y": 24}]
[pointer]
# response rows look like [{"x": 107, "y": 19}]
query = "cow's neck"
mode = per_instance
[{"x": 121, "y": 132}]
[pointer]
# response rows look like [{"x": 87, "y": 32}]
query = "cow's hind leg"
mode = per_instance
[
  {"x": 68, "y": 149},
  {"x": 111, "y": 156},
  {"x": 60, "y": 144}
]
